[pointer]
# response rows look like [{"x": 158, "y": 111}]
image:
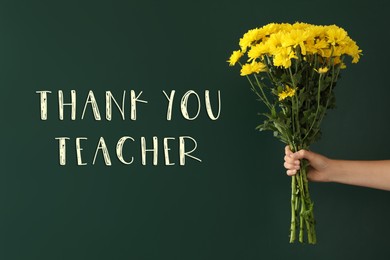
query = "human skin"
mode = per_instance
[{"x": 372, "y": 174}]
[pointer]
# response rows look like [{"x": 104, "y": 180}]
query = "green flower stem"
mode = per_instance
[
  {"x": 295, "y": 112},
  {"x": 308, "y": 213},
  {"x": 269, "y": 64},
  {"x": 293, "y": 121},
  {"x": 292, "y": 77},
  {"x": 301, "y": 217},
  {"x": 259, "y": 95},
  {"x": 261, "y": 89},
  {"x": 331, "y": 87},
  {"x": 262, "y": 96},
  {"x": 318, "y": 107},
  {"x": 293, "y": 207},
  {"x": 294, "y": 202},
  {"x": 301, "y": 205},
  {"x": 302, "y": 194},
  {"x": 315, "y": 65},
  {"x": 334, "y": 79},
  {"x": 297, "y": 116}
]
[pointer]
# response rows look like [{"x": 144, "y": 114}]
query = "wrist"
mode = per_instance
[
  {"x": 332, "y": 170},
  {"x": 338, "y": 171}
]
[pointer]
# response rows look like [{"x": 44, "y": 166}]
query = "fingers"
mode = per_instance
[
  {"x": 303, "y": 154},
  {"x": 290, "y": 163},
  {"x": 287, "y": 150},
  {"x": 291, "y": 172}
]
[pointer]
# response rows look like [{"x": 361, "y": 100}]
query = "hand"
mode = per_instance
[
  {"x": 319, "y": 166},
  {"x": 373, "y": 174}
]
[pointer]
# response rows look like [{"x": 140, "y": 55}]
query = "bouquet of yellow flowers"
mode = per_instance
[{"x": 293, "y": 69}]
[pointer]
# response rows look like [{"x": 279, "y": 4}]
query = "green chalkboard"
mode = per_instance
[{"x": 223, "y": 192}]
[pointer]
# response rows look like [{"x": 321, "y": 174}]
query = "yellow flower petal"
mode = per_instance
[
  {"x": 289, "y": 92},
  {"x": 323, "y": 70},
  {"x": 236, "y": 55},
  {"x": 253, "y": 67}
]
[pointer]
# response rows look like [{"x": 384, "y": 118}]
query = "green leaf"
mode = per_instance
[{"x": 297, "y": 78}]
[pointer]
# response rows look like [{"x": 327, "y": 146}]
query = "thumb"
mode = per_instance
[{"x": 303, "y": 154}]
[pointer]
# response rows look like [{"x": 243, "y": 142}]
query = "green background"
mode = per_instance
[{"x": 233, "y": 205}]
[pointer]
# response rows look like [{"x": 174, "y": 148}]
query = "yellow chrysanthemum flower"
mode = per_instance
[
  {"x": 325, "y": 53},
  {"x": 336, "y": 60},
  {"x": 353, "y": 51},
  {"x": 283, "y": 42},
  {"x": 322, "y": 70},
  {"x": 253, "y": 67},
  {"x": 257, "y": 51},
  {"x": 295, "y": 38},
  {"x": 236, "y": 55},
  {"x": 335, "y": 34},
  {"x": 274, "y": 42},
  {"x": 271, "y": 28},
  {"x": 301, "y": 26},
  {"x": 289, "y": 92},
  {"x": 283, "y": 56},
  {"x": 250, "y": 37},
  {"x": 317, "y": 31},
  {"x": 321, "y": 44}
]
